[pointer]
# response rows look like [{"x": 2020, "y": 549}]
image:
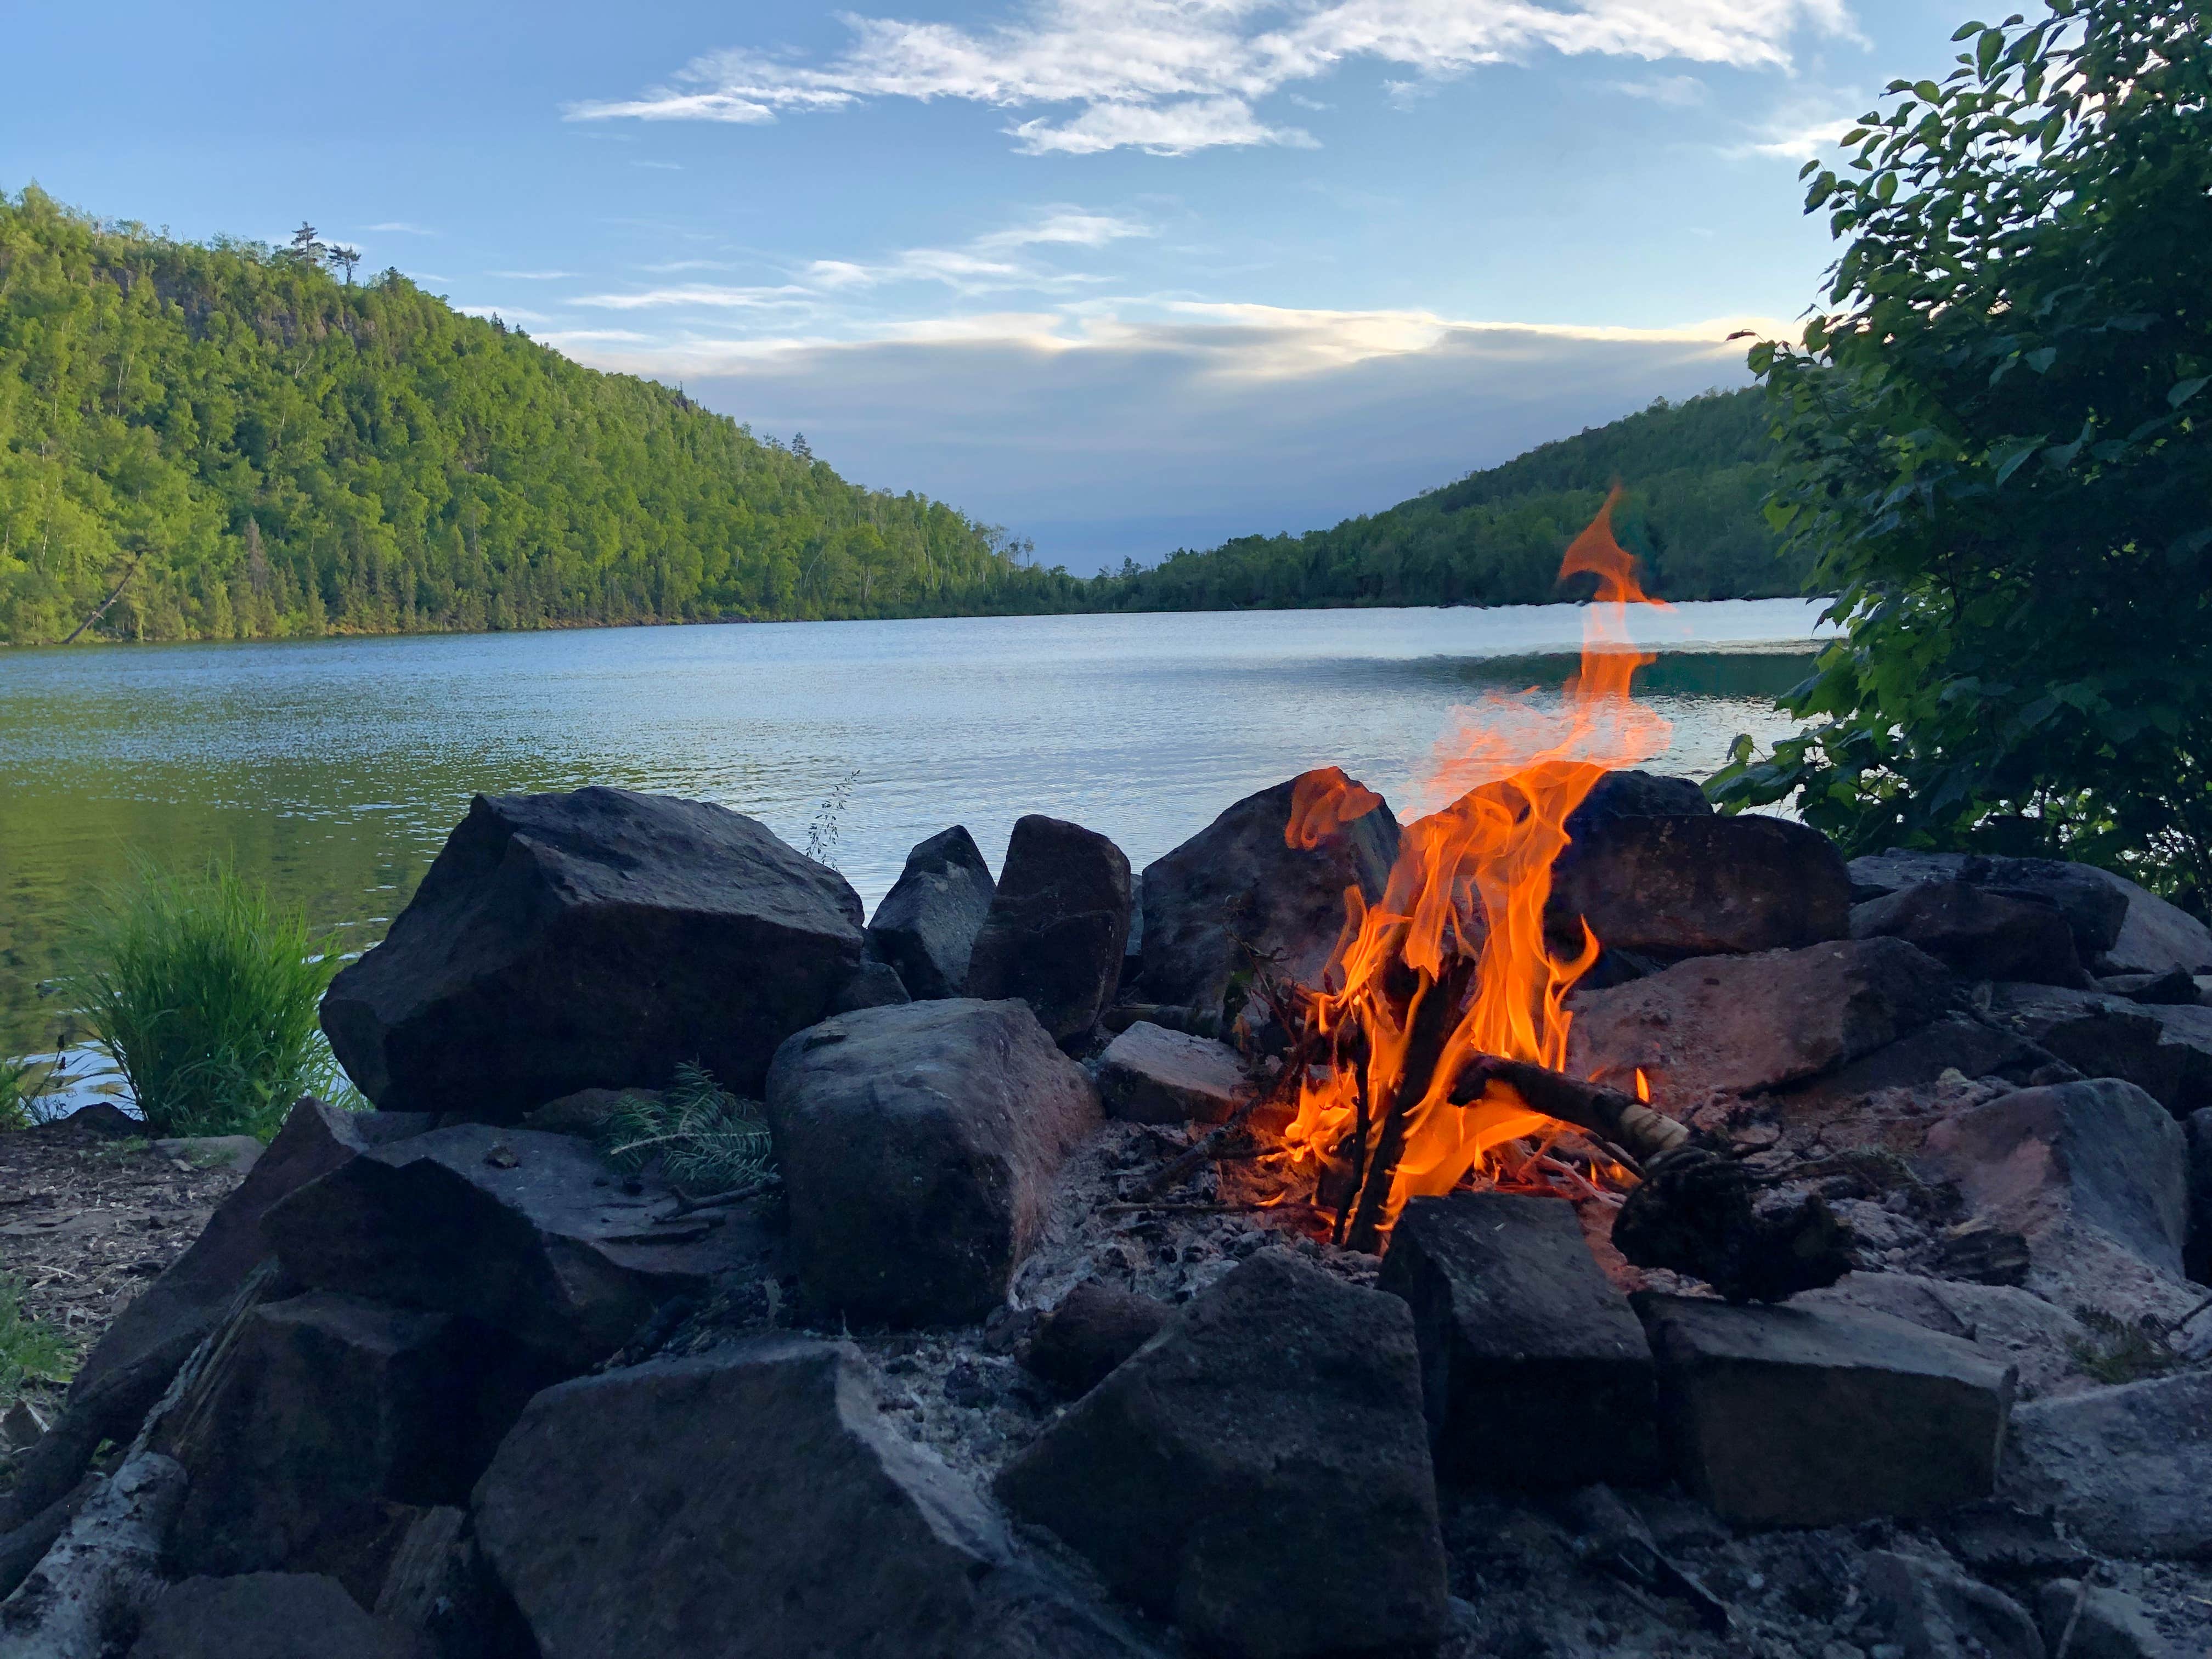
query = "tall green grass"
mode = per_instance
[
  {"x": 30, "y": 1350},
  {"x": 204, "y": 993},
  {"x": 16, "y": 1092}
]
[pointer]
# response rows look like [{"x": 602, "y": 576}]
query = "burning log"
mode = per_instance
[{"x": 1630, "y": 1125}]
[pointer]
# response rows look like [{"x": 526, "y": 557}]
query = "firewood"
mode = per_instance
[
  {"x": 106, "y": 1567},
  {"x": 1637, "y": 1130}
]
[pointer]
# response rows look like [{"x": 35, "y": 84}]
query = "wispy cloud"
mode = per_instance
[
  {"x": 532, "y": 276},
  {"x": 660, "y": 167},
  {"x": 709, "y": 295},
  {"x": 1799, "y": 131},
  {"x": 1675, "y": 91},
  {"x": 1172, "y": 76},
  {"x": 506, "y": 313},
  {"x": 401, "y": 227}
]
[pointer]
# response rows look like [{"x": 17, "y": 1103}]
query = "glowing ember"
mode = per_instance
[{"x": 1452, "y": 963}]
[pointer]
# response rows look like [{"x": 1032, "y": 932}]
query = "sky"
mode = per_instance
[{"x": 1120, "y": 276}]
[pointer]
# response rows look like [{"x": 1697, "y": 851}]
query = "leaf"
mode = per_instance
[
  {"x": 2041, "y": 359},
  {"x": 2014, "y": 461},
  {"x": 2187, "y": 390}
]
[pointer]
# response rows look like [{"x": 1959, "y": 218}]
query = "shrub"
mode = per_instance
[
  {"x": 204, "y": 996},
  {"x": 30, "y": 1350}
]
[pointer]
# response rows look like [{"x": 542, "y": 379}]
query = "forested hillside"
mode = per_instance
[
  {"x": 1695, "y": 473},
  {"x": 248, "y": 448}
]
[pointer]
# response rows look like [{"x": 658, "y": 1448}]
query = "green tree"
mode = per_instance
[{"x": 1995, "y": 442}]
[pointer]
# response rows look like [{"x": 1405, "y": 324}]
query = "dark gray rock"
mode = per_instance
[
  {"x": 2094, "y": 1621},
  {"x": 2157, "y": 936},
  {"x": 1057, "y": 925},
  {"x": 439, "y": 1583},
  {"x": 1633, "y": 795},
  {"x": 918, "y": 1147},
  {"x": 1963, "y": 1042},
  {"x": 2097, "y": 1034},
  {"x": 2048, "y": 1163},
  {"x": 2176, "y": 987},
  {"x": 2002, "y": 1541},
  {"x": 1679, "y": 886},
  {"x": 2127, "y": 1467},
  {"x": 926, "y": 925},
  {"x": 1936, "y": 1612},
  {"x": 752, "y": 1501},
  {"x": 102, "y": 1119},
  {"x": 267, "y": 1615},
  {"x": 1977, "y": 932},
  {"x": 2196, "y": 1250},
  {"x": 2010, "y": 1326},
  {"x": 1816, "y": 1417},
  {"x": 329, "y": 1406},
  {"x": 529, "y": 1232},
  {"x": 1524, "y": 1345},
  {"x": 592, "y": 940},
  {"x": 2094, "y": 902},
  {"x": 586, "y": 1112},
  {"x": 872, "y": 985},
  {"x": 1738, "y": 1024},
  {"x": 1149, "y": 1074},
  {"x": 1258, "y": 1471},
  {"x": 1094, "y": 1328},
  {"x": 2185, "y": 1044},
  {"x": 1238, "y": 888}
]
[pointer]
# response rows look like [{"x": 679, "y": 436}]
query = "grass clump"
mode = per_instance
[
  {"x": 706, "y": 1138},
  {"x": 204, "y": 995},
  {"x": 2116, "y": 1350},
  {"x": 17, "y": 1092},
  {"x": 31, "y": 1350}
]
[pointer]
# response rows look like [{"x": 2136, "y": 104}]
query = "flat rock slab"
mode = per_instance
[
  {"x": 592, "y": 940},
  {"x": 1239, "y": 891},
  {"x": 1741, "y": 1024},
  {"x": 926, "y": 927},
  {"x": 752, "y": 1501},
  {"x": 1526, "y": 1347},
  {"x": 1977, "y": 932},
  {"x": 2128, "y": 1468},
  {"x": 2011, "y": 1325},
  {"x": 1149, "y": 1074},
  {"x": 1802, "y": 1416},
  {"x": 2094, "y": 902},
  {"x": 267, "y": 1615},
  {"x": 528, "y": 1231},
  {"x": 1258, "y": 1471},
  {"x": 918, "y": 1147},
  {"x": 1057, "y": 927},
  {"x": 2098, "y": 1034},
  {"x": 1677, "y": 885},
  {"x": 2048, "y": 1163}
]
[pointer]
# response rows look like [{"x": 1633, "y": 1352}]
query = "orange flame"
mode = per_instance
[{"x": 1470, "y": 885}]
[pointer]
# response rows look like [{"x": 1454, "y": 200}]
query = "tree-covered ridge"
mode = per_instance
[
  {"x": 1696, "y": 473},
  {"x": 250, "y": 449}
]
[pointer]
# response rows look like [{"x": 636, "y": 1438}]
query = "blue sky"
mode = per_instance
[{"x": 1119, "y": 275}]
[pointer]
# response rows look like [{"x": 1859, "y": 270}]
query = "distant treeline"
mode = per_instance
[
  {"x": 228, "y": 441},
  {"x": 247, "y": 447}
]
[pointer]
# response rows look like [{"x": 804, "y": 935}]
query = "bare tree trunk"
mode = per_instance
[{"x": 105, "y": 1568}]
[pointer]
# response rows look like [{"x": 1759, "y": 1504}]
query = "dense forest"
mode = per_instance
[
  {"x": 229, "y": 442},
  {"x": 232, "y": 441},
  {"x": 1695, "y": 472}
]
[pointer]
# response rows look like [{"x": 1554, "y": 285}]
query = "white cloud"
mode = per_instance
[
  {"x": 696, "y": 294},
  {"x": 1172, "y": 76},
  {"x": 400, "y": 227},
  {"x": 561, "y": 339},
  {"x": 1796, "y": 134},
  {"x": 1068, "y": 227},
  {"x": 660, "y": 167},
  {"x": 532, "y": 276},
  {"x": 504, "y": 313},
  {"x": 1675, "y": 91}
]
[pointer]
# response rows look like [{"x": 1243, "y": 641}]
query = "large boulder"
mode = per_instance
[
  {"x": 528, "y": 1231},
  {"x": 1737, "y": 1024},
  {"x": 1057, "y": 925},
  {"x": 2098, "y": 1157},
  {"x": 1258, "y": 1471},
  {"x": 1237, "y": 894},
  {"x": 1975, "y": 932},
  {"x": 1524, "y": 1345},
  {"x": 267, "y": 1615},
  {"x": 926, "y": 925},
  {"x": 2118, "y": 926},
  {"x": 1802, "y": 1416},
  {"x": 592, "y": 940},
  {"x": 2097, "y": 1034},
  {"x": 752, "y": 1501},
  {"x": 918, "y": 1146},
  {"x": 1678, "y": 885},
  {"x": 1632, "y": 795},
  {"x": 2127, "y": 1468},
  {"x": 327, "y": 1407},
  {"x": 1149, "y": 1074}
]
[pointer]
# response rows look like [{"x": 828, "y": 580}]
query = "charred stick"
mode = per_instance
[
  {"x": 1608, "y": 1113},
  {"x": 1438, "y": 1012}
]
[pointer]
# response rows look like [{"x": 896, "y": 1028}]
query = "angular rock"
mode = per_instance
[
  {"x": 2185, "y": 1044},
  {"x": 1149, "y": 1074},
  {"x": 528, "y": 1231},
  {"x": 1737, "y": 1024},
  {"x": 267, "y": 1615},
  {"x": 2096, "y": 1622},
  {"x": 1964, "y": 1041},
  {"x": 592, "y": 940},
  {"x": 1677, "y": 886},
  {"x": 2047, "y": 1164},
  {"x": 439, "y": 1583},
  {"x": 586, "y": 1112},
  {"x": 872, "y": 985},
  {"x": 1238, "y": 888},
  {"x": 918, "y": 1147},
  {"x": 2010, "y": 1326},
  {"x": 926, "y": 925},
  {"x": 1936, "y": 1612},
  {"x": 1094, "y": 1328},
  {"x": 1802, "y": 1416},
  {"x": 329, "y": 1406},
  {"x": 2127, "y": 1467},
  {"x": 1524, "y": 1345},
  {"x": 2097, "y": 1034},
  {"x": 2174, "y": 989},
  {"x": 2197, "y": 1249},
  {"x": 1258, "y": 1472},
  {"x": 1055, "y": 934},
  {"x": 1975, "y": 932},
  {"x": 2157, "y": 936},
  {"x": 1633, "y": 795},
  {"x": 2094, "y": 902},
  {"x": 752, "y": 1501}
]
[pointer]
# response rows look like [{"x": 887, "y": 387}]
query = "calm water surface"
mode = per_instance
[{"x": 333, "y": 770}]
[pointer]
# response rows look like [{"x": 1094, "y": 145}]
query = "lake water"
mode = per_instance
[{"x": 333, "y": 770}]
